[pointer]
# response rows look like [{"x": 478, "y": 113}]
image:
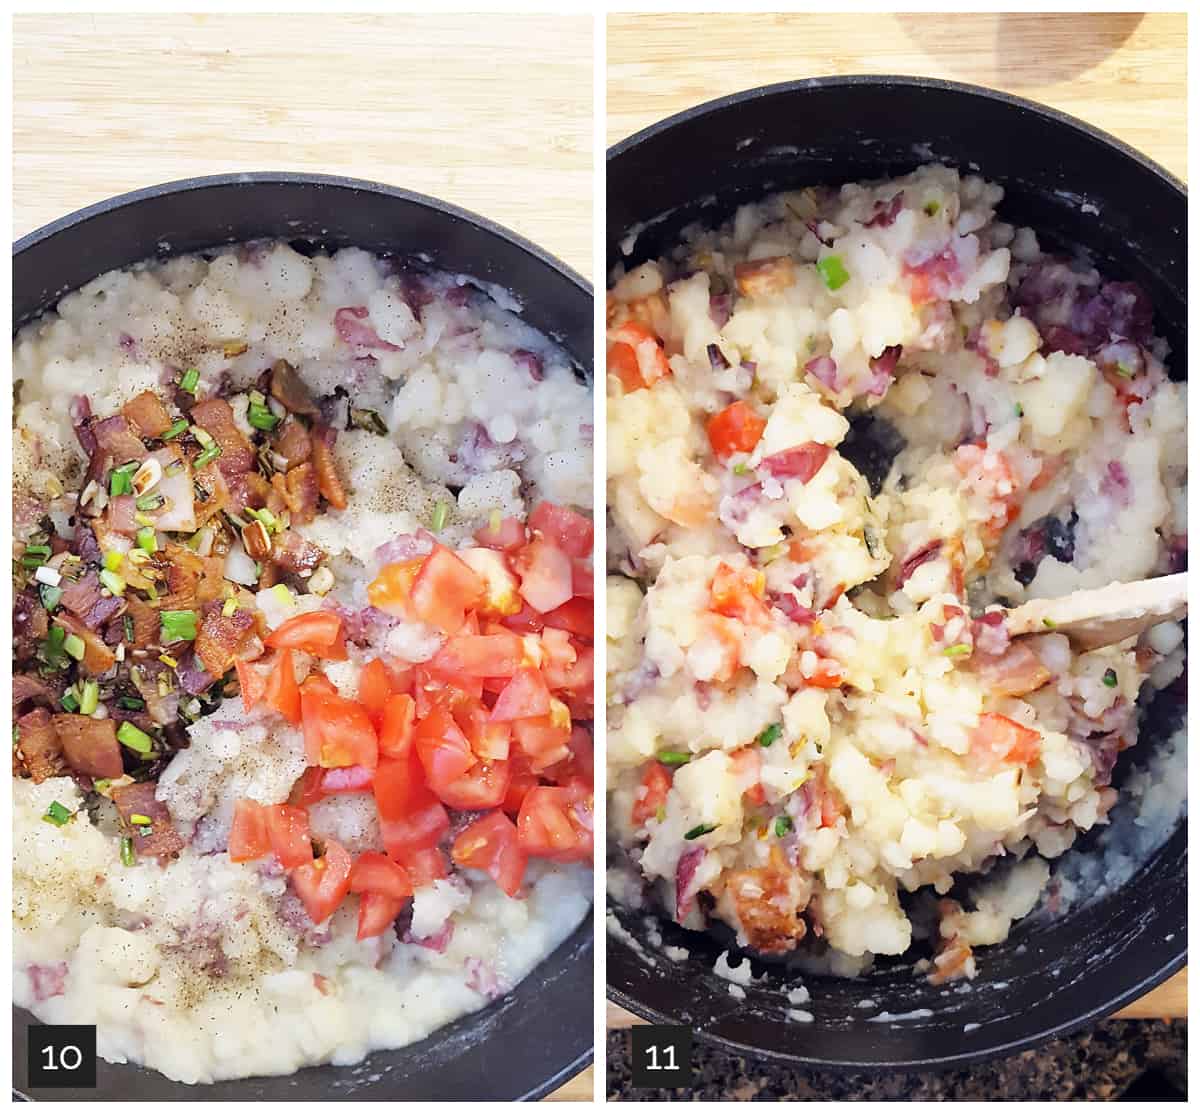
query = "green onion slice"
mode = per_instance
[
  {"x": 74, "y": 646},
  {"x": 674, "y": 757},
  {"x": 783, "y": 825},
  {"x": 58, "y": 814},
  {"x": 134, "y": 738},
  {"x": 176, "y": 429},
  {"x": 833, "y": 272},
  {"x": 190, "y": 380},
  {"x": 770, "y": 734},
  {"x": 178, "y": 626},
  {"x": 128, "y": 856},
  {"x": 700, "y": 830}
]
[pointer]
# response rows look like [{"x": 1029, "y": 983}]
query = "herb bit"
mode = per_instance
[
  {"x": 368, "y": 420},
  {"x": 51, "y": 596},
  {"x": 74, "y": 646},
  {"x": 833, "y": 272},
  {"x": 176, "y": 429},
  {"x": 89, "y": 699},
  {"x": 783, "y": 825},
  {"x": 58, "y": 815},
  {"x": 674, "y": 757},
  {"x": 1110, "y": 678},
  {"x": 261, "y": 417},
  {"x": 440, "y": 514},
  {"x": 700, "y": 830},
  {"x": 958, "y": 650},
  {"x": 134, "y": 738},
  {"x": 770, "y": 735},
  {"x": 128, "y": 855},
  {"x": 190, "y": 380}
]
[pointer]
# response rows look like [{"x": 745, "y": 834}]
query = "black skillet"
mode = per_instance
[
  {"x": 537, "y": 1037},
  {"x": 1078, "y": 188}
]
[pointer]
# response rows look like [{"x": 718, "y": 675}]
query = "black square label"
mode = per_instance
[
  {"x": 662, "y": 1056},
  {"x": 62, "y": 1056}
]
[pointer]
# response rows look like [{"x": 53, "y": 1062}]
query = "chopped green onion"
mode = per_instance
[
  {"x": 660, "y": 813},
  {"x": 149, "y": 502},
  {"x": 127, "y": 626},
  {"x": 958, "y": 650},
  {"x": 147, "y": 539},
  {"x": 74, "y": 646},
  {"x": 128, "y": 858},
  {"x": 57, "y": 814},
  {"x": 131, "y": 703},
  {"x": 120, "y": 483},
  {"x": 1020, "y": 410},
  {"x": 741, "y": 468},
  {"x": 178, "y": 626},
  {"x": 440, "y": 513},
  {"x": 783, "y": 825},
  {"x": 265, "y": 517},
  {"x": 113, "y": 581},
  {"x": 833, "y": 272},
  {"x": 932, "y": 208},
  {"x": 1049, "y": 624},
  {"x": 202, "y": 435},
  {"x": 700, "y": 830},
  {"x": 176, "y": 429},
  {"x": 55, "y": 639},
  {"x": 282, "y": 593},
  {"x": 138, "y": 818},
  {"x": 368, "y": 420},
  {"x": 134, "y": 738},
  {"x": 113, "y": 559},
  {"x": 51, "y": 596},
  {"x": 1110, "y": 678},
  {"x": 190, "y": 380},
  {"x": 1124, "y": 370},
  {"x": 674, "y": 757},
  {"x": 770, "y": 734},
  {"x": 89, "y": 699},
  {"x": 70, "y": 702},
  {"x": 208, "y": 456},
  {"x": 38, "y": 552},
  {"x": 261, "y": 417}
]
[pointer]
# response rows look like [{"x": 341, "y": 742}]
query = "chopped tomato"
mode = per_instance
[
  {"x": 443, "y": 748},
  {"x": 656, "y": 784},
  {"x": 828, "y": 675},
  {"x": 500, "y": 595},
  {"x": 490, "y": 844},
  {"x": 374, "y": 688},
  {"x": 543, "y": 739},
  {"x": 747, "y": 766},
  {"x": 526, "y": 695},
  {"x": 252, "y": 680},
  {"x": 376, "y": 873},
  {"x": 575, "y": 616},
  {"x": 281, "y": 692},
  {"x": 324, "y": 882},
  {"x": 480, "y": 655},
  {"x": 580, "y": 765},
  {"x": 525, "y": 621},
  {"x": 249, "y": 838},
  {"x": 425, "y": 865},
  {"x": 337, "y": 731},
  {"x": 316, "y": 783},
  {"x": 287, "y": 827},
  {"x": 574, "y": 676},
  {"x": 489, "y": 741},
  {"x": 583, "y": 580},
  {"x": 318, "y": 633},
  {"x": 399, "y": 722},
  {"x": 546, "y": 575},
  {"x": 377, "y": 913},
  {"x": 521, "y": 779},
  {"x": 738, "y": 594},
  {"x": 485, "y": 785},
  {"x": 571, "y": 532},
  {"x": 736, "y": 429},
  {"x": 410, "y": 816},
  {"x": 391, "y": 590},
  {"x": 510, "y": 534},
  {"x": 1002, "y": 739},
  {"x": 636, "y": 356},
  {"x": 623, "y": 363},
  {"x": 557, "y": 823},
  {"x": 318, "y": 683},
  {"x": 444, "y": 591}
]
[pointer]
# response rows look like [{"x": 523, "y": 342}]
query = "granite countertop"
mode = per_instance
[{"x": 1113, "y": 1060}]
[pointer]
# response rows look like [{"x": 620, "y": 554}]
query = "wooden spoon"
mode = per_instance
[{"x": 1101, "y": 616}]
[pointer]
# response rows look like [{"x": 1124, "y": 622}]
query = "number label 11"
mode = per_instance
[{"x": 662, "y": 1056}]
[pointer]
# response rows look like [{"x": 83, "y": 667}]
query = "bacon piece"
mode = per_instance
[
  {"x": 192, "y": 580},
  {"x": 140, "y": 800},
  {"x": 886, "y": 212},
  {"x": 215, "y": 417},
  {"x": 211, "y": 493},
  {"x": 97, "y": 657},
  {"x": 40, "y": 750},
  {"x": 292, "y": 442},
  {"x": 288, "y": 388},
  {"x": 83, "y": 598},
  {"x": 322, "y": 457},
  {"x": 1018, "y": 671},
  {"x": 117, "y": 441},
  {"x": 299, "y": 492},
  {"x": 145, "y": 619},
  {"x": 90, "y": 745},
  {"x": 30, "y": 624},
  {"x": 25, "y": 687},
  {"x": 768, "y": 904},
  {"x": 250, "y": 489},
  {"x": 193, "y": 678},
  {"x": 85, "y": 544},
  {"x": 220, "y": 637},
  {"x": 148, "y": 414},
  {"x": 119, "y": 515},
  {"x": 761, "y": 277},
  {"x": 352, "y": 326},
  {"x": 296, "y": 555}
]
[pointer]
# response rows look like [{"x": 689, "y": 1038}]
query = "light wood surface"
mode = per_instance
[
  {"x": 1125, "y": 73},
  {"x": 491, "y": 112}
]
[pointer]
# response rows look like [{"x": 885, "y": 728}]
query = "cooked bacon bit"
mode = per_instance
[
  {"x": 48, "y": 980},
  {"x": 221, "y": 636},
  {"x": 116, "y": 440},
  {"x": 1015, "y": 673},
  {"x": 915, "y": 560},
  {"x": 25, "y": 687},
  {"x": 97, "y": 657},
  {"x": 288, "y": 388},
  {"x": 292, "y": 442},
  {"x": 257, "y": 540},
  {"x": 148, "y": 414},
  {"x": 322, "y": 457},
  {"x": 299, "y": 492},
  {"x": 685, "y": 873},
  {"x": 354, "y": 328},
  {"x": 119, "y": 515},
  {"x": 768, "y": 903},
  {"x": 248, "y": 490},
  {"x": 954, "y": 959},
  {"x": 39, "y": 747},
  {"x": 763, "y": 277},
  {"x": 191, "y": 580},
  {"x": 29, "y": 626},
  {"x": 193, "y": 679},
  {"x": 212, "y": 493},
  {"x": 215, "y": 417},
  {"x": 140, "y": 800},
  {"x": 886, "y": 212},
  {"x": 296, "y": 555},
  {"x": 83, "y": 598},
  {"x": 90, "y": 745},
  {"x": 81, "y": 419},
  {"x": 85, "y": 545},
  {"x": 146, "y": 623}
]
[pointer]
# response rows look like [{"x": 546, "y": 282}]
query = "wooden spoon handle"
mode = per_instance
[{"x": 1102, "y": 616}]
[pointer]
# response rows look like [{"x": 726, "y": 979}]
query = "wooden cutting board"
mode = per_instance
[
  {"x": 467, "y": 108},
  {"x": 1125, "y": 73}
]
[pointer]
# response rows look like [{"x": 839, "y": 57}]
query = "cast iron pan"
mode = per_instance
[
  {"x": 540, "y": 1035},
  {"x": 1077, "y": 187}
]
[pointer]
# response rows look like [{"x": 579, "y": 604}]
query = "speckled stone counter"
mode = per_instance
[{"x": 1113, "y": 1060}]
